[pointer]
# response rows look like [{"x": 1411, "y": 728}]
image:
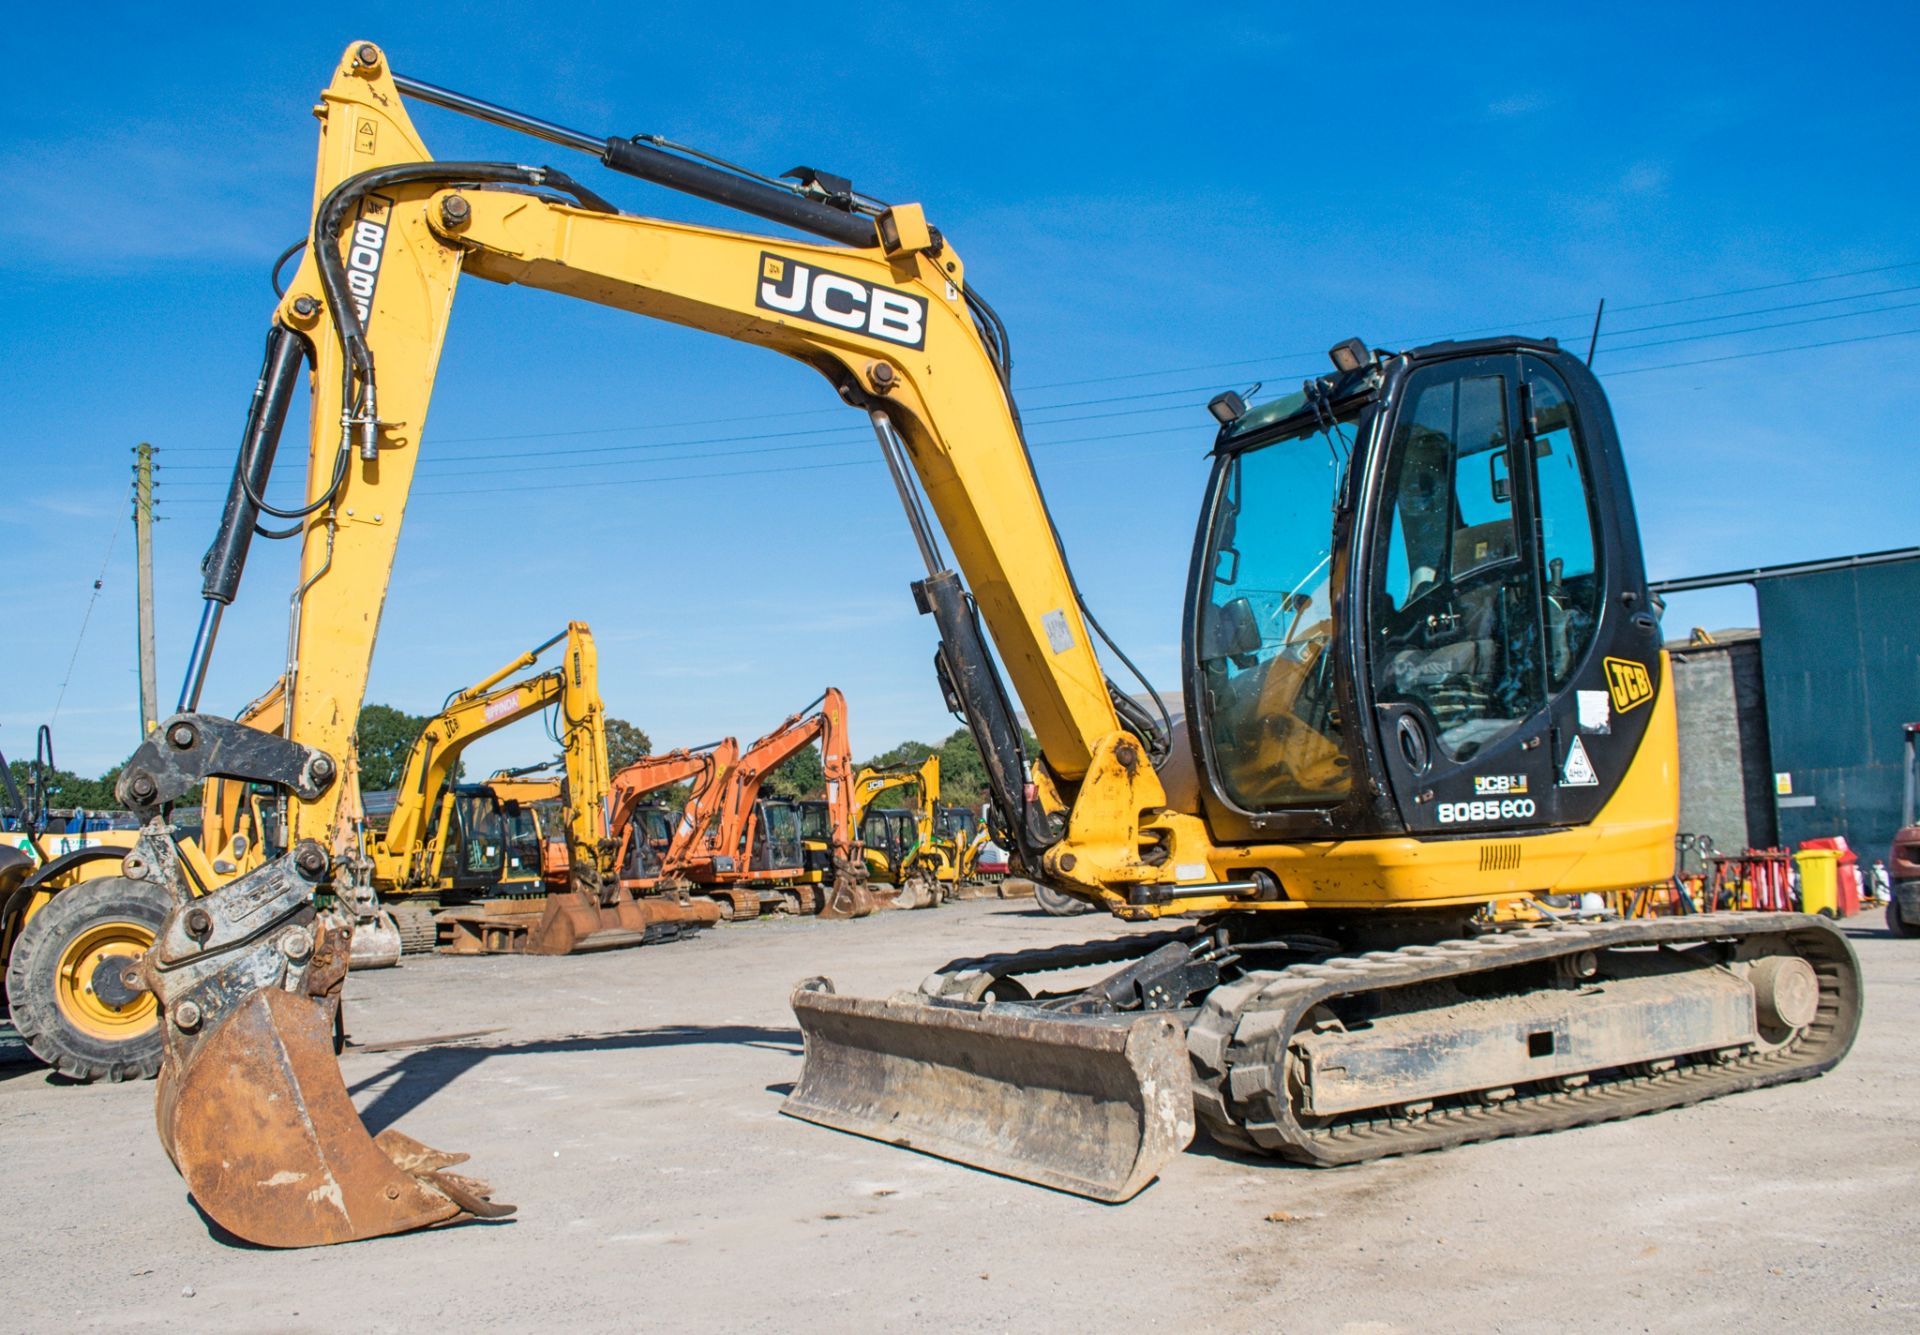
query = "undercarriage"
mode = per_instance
[{"x": 1307, "y": 1045}]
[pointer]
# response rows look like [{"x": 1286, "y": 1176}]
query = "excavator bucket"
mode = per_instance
[
  {"x": 846, "y": 898},
  {"x": 251, "y": 1105},
  {"x": 257, "y": 1119},
  {"x": 576, "y": 921},
  {"x": 376, "y": 942},
  {"x": 1087, "y": 1104}
]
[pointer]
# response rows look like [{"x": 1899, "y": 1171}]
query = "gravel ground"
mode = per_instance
[{"x": 626, "y": 1102}]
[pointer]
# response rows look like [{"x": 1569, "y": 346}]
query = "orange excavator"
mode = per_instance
[
  {"x": 645, "y": 831},
  {"x": 744, "y": 851}
]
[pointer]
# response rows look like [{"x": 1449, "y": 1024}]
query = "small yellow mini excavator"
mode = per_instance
[
  {"x": 1422, "y": 675},
  {"x": 897, "y": 842}
]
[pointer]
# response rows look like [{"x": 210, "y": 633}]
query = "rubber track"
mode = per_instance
[
  {"x": 419, "y": 933},
  {"x": 1239, "y": 1042}
]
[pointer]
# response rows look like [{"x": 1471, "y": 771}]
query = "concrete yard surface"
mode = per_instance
[{"x": 627, "y": 1103}]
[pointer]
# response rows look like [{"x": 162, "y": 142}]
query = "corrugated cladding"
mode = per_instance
[
  {"x": 1726, "y": 772},
  {"x": 1840, "y": 651}
]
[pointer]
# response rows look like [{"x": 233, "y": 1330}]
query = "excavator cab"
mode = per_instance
[
  {"x": 1419, "y": 604},
  {"x": 493, "y": 847},
  {"x": 888, "y": 834},
  {"x": 816, "y": 836},
  {"x": 776, "y": 838},
  {"x": 522, "y": 846},
  {"x": 653, "y": 833},
  {"x": 957, "y": 825}
]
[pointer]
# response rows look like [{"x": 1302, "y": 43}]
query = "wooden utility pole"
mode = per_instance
[{"x": 143, "y": 544}]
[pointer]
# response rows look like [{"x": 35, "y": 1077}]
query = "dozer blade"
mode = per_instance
[
  {"x": 258, "y": 1121},
  {"x": 1092, "y": 1106}
]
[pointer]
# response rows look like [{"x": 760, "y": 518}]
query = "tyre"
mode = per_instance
[
  {"x": 1898, "y": 925},
  {"x": 64, "y": 985},
  {"x": 1058, "y": 904}
]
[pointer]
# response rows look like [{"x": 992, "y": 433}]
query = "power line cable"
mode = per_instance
[
  {"x": 98, "y": 583},
  {"x": 1104, "y": 436},
  {"x": 1761, "y": 310},
  {"x": 849, "y": 437},
  {"x": 439, "y": 465},
  {"x": 1757, "y": 328},
  {"x": 1768, "y": 352},
  {"x": 1184, "y": 370}
]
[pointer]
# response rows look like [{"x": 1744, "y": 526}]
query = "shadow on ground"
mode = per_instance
[{"x": 420, "y": 1075}]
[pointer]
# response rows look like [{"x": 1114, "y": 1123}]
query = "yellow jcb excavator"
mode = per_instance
[
  {"x": 898, "y": 842},
  {"x": 1422, "y": 674},
  {"x": 446, "y": 862}
]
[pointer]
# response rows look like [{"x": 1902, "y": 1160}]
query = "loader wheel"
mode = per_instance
[
  {"x": 1896, "y": 924},
  {"x": 1058, "y": 904},
  {"x": 64, "y": 981}
]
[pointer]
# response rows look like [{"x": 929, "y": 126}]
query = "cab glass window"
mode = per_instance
[
  {"x": 1454, "y": 626},
  {"x": 1569, "y": 571},
  {"x": 1266, "y": 633},
  {"x": 484, "y": 835}
]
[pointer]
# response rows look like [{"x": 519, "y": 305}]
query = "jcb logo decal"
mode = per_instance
[
  {"x": 829, "y": 298},
  {"x": 1630, "y": 684}
]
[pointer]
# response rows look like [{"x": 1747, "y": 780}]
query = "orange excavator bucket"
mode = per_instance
[
  {"x": 252, "y": 1108},
  {"x": 585, "y": 919}
]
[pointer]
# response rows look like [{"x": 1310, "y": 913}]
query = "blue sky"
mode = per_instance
[{"x": 1189, "y": 198}]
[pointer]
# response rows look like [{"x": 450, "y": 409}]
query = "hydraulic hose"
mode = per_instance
[{"x": 339, "y": 206}]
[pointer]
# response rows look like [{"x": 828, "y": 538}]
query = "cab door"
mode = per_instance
[
  {"x": 1600, "y": 636},
  {"x": 1454, "y": 641}
]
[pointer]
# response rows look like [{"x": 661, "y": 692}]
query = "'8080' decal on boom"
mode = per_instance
[{"x": 833, "y": 299}]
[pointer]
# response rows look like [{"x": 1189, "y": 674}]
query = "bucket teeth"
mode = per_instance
[
  {"x": 410, "y": 1156},
  {"x": 257, "y": 1119}
]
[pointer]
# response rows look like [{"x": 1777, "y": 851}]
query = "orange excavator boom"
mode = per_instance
[
  {"x": 714, "y": 845},
  {"x": 706, "y": 766}
]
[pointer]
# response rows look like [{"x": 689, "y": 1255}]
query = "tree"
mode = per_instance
[
  {"x": 382, "y": 739},
  {"x": 963, "y": 774},
  {"x": 625, "y": 744},
  {"x": 63, "y": 789},
  {"x": 801, "y": 774}
]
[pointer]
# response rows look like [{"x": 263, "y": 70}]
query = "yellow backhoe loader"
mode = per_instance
[
  {"x": 71, "y": 925},
  {"x": 1422, "y": 675}
]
